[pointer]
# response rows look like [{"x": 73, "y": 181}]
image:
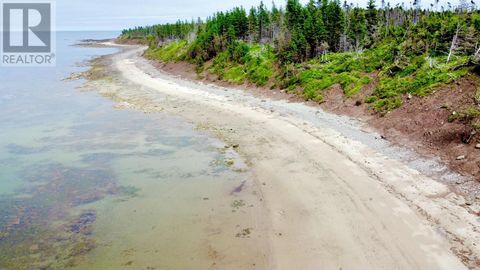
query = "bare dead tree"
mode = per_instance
[
  {"x": 454, "y": 43},
  {"x": 463, "y": 6},
  {"x": 417, "y": 4},
  {"x": 476, "y": 55}
]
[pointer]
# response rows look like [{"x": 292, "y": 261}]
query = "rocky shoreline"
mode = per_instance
[
  {"x": 297, "y": 141},
  {"x": 421, "y": 124}
]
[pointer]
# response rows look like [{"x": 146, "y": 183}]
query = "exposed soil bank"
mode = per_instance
[{"x": 334, "y": 198}]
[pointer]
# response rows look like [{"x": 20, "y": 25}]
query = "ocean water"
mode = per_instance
[{"x": 86, "y": 186}]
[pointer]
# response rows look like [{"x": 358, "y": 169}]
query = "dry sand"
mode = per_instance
[{"x": 333, "y": 202}]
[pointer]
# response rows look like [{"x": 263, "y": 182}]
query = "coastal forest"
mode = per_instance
[{"x": 400, "y": 51}]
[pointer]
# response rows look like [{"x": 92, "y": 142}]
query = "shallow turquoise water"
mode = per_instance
[
  {"x": 35, "y": 102},
  {"x": 86, "y": 186}
]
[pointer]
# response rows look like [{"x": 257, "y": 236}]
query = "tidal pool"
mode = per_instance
[{"x": 86, "y": 186}]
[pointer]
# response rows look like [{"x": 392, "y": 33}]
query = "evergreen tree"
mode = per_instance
[
  {"x": 276, "y": 21},
  {"x": 294, "y": 14},
  {"x": 313, "y": 28},
  {"x": 301, "y": 32},
  {"x": 252, "y": 23},
  {"x": 371, "y": 16},
  {"x": 334, "y": 21},
  {"x": 357, "y": 31},
  {"x": 240, "y": 22},
  {"x": 263, "y": 21}
]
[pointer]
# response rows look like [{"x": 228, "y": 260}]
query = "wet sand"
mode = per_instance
[{"x": 331, "y": 201}]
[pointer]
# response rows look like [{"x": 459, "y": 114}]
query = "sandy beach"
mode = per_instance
[{"x": 332, "y": 200}]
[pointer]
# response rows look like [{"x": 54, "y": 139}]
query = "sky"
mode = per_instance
[
  {"x": 75, "y": 15},
  {"x": 121, "y": 14}
]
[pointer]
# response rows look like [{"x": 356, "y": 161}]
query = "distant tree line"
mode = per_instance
[
  {"x": 301, "y": 32},
  {"x": 162, "y": 32}
]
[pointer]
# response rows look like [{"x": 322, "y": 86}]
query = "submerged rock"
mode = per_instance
[
  {"x": 83, "y": 224},
  {"x": 229, "y": 162},
  {"x": 239, "y": 188}
]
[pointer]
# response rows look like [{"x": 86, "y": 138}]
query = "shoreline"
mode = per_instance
[
  {"x": 309, "y": 175},
  {"x": 420, "y": 124}
]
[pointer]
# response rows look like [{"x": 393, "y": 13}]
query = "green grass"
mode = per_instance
[
  {"x": 397, "y": 75},
  {"x": 174, "y": 51},
  {"x": 469, "y": 117},
  {"x": 352, "y": 71},
  {"x": 236, "y": 74},
  {"x": 257, "y": 66},
  {"x": 260, "y": 64},
  {"x": 417, "y": 78},
  {"x": 349, "y": 70}
]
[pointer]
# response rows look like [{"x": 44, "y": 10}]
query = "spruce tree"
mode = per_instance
[
  {"x": 252, "y": 23},
  {"x": 263, "y": 21},
  {"x": 294, "y": 14},
  {"x": 357, "y": 31},
  {"x": 371, "y": 16},
  {"x": 334, "y": 23}
]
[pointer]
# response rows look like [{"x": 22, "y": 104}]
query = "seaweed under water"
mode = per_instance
[{"x": 38, "y": 227}]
